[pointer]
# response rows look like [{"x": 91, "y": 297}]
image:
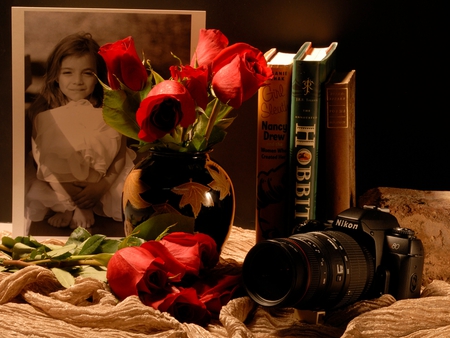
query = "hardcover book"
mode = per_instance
[
  {"x": 340, "y": 143},
  {"x": 311, "y": 68},
  {"x": 272, "y": 148}
]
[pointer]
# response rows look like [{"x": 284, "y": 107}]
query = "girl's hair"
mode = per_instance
[{"x": 51, "y": 96}]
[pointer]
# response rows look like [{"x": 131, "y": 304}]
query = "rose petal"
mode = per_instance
[{"x": 211, "y": 42}]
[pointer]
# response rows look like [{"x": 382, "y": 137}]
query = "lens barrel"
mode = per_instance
[{"x": 314, "y": 270}]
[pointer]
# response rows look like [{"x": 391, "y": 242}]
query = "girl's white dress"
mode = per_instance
[{"x": 70, "y": 141}]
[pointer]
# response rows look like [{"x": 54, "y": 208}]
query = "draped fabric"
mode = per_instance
[{"x": 33, "y": 304}]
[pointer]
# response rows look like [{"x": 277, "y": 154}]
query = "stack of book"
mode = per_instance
[{"x": 305, "y": 141}]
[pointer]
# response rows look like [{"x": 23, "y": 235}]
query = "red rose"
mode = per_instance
[
  {"x": 195, "y": 251},
  {"x": 183, "y": 304},
  {"x": 167, "y": 105},
  {"x": 217, "y": 292},
  {"x": 210, "y": 43},
  {"x": 195, "y": 80},
  {"x": 135, "y": 270},
  {"x": 123, "y": 63},
  {"x": 238, "y": 72}
]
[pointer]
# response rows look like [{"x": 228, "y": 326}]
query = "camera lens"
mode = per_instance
[{"x": 314, "y": 270}]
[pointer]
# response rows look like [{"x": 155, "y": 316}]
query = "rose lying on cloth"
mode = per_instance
[
  {"x": 123, "y": 64},
  {"x": 171, "y": 275},
  {"x": 133, "y": 270}
]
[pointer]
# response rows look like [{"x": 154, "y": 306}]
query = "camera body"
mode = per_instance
[
  {"x": 398, "y": 255},
  {"x": 362, "y": 254}
]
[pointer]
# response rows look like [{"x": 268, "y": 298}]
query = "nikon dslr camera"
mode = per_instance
[{"x": 363, "y": 254}]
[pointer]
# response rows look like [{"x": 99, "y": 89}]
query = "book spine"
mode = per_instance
[
  {"x": 340, "y": 144},
  {"x": 272, "y": 155},
  {"x": 308, "y": 79},
  {"x": 304, "y": 139}
]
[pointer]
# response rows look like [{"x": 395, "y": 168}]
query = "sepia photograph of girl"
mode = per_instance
[{"x": 76, "y": 164}]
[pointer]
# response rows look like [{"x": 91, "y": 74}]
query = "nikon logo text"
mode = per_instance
[{"x": 346, "y": 224}]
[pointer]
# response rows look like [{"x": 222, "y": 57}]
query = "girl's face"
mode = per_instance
[{"x": 76, "y": 77}]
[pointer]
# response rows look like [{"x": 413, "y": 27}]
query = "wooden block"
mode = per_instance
[{"x": 428, "y": 214}]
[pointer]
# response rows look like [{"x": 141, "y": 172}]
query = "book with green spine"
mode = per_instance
[{"x": 311, "y": 68}]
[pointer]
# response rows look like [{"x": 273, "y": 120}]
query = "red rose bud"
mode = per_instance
[
  {"x": 167, "y": 105},
  {"x": 195, "y": 80},
  {"x": 238, "y": 72},
  {"x": 210, "y": 43},
  {"x": 123, "y": 63}
]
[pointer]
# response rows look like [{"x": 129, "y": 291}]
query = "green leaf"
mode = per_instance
[
  {"x": 198, "y": 143},
  {"x": 63, "y": 252},
  {"x": 8, "y": 242},
  {"x": 98, "y": 273},
  {"x": 148, "y": 86},
  {"x": 21, "y": 250},
  {"x": 225, "y": 122},
  {"x": 91, "y": 245},
  {"x": 201, "y": 124},
  {"x": 121, "y": 121},
  {"x": 78, "y": 236},
  {"x": 109, "y": 245},
  {"x": 217, "y": 136},
  {"x": 224, "y": 111},
  {"x": 28, "y": 240},
  {"x": 119, "y": 111},
  {"x": 158, "y": 78},
  {"x": 165, "y": 232},
  {"x": 53, "y": 246},
  {"x": 167, "y": 139},
  {"x": 64, "y": 277},
  {"x": 38, "y": 253},
  {"x": 131, "y": 241},
  {"x": 102, "y": 258},
  {"x": 210, "y": 107},
  {"x": 156, "y": 225}
]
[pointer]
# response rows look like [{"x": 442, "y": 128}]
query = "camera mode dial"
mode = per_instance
[{"x": 403, "y": 232}]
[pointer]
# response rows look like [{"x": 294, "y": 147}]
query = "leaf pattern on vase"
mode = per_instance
[
  {"x": 221, "y": 183},
  {"x": 132, "y": 189},
  {"x": 164, "y": 208},
  {"x": 194, "y": 194}
]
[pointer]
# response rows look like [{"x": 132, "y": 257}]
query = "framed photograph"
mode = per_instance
[{"x": 158, "y": 34}]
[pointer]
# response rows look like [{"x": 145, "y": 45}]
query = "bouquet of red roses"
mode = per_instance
[{"x": 190, "y": 111}]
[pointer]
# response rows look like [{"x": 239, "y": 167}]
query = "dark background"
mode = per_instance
[{"x": 398, "y": 49}]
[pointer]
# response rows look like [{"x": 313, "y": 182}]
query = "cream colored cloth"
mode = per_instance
[{"x": 33, "y": 304}]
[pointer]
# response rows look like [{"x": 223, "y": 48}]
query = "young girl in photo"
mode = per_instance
[{"x": 81, "y": 162}]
